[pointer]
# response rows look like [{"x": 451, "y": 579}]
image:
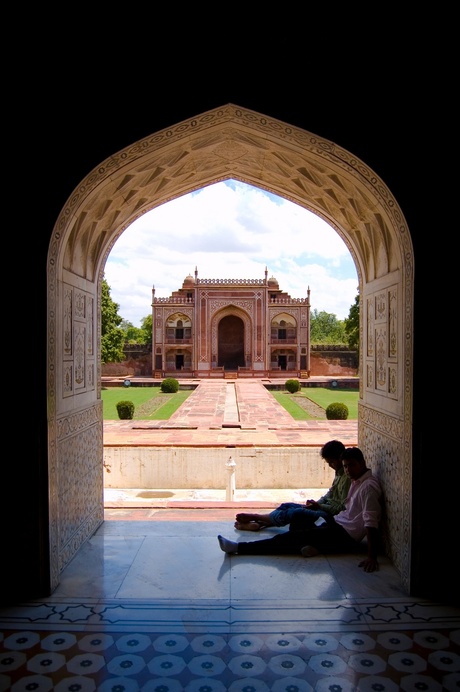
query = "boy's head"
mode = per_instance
[
  {"x": 354, "y": 463},
  {"x": 332, "y": 453}
]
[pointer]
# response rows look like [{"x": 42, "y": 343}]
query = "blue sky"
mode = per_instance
[{"x": 230, "y": 230}]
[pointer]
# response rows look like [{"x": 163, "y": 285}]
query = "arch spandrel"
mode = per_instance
[
  {"x": 246, "y": 147},
  {"x": 229, "y": 142}
]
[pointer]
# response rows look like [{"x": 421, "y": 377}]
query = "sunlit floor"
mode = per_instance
[{"x": 151, "y": 603}]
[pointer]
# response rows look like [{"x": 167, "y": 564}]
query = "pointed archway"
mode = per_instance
[
  {"x": 230, "y": 343},
  {"x": 228, "y": 142}
]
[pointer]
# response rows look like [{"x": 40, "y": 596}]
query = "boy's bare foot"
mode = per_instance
[
  {"x": 249, "y": 526},
  {"x": 227, "y": 546},
  {"x": 245, "y": 518}
]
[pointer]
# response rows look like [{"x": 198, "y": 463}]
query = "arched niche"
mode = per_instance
[
  {"x": 178, "y": 320},
  {"x": 225, "y": 143}
]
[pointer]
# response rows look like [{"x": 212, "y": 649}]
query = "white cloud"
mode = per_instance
[{"x": 230, "y": 230}]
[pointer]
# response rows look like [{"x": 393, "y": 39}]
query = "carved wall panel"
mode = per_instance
[
  {"x": 382, "y": 331},
  {"x": 382, "y": 436},
  {"x": 78, "y": 339},
  {"x": 77, "y": 486}
]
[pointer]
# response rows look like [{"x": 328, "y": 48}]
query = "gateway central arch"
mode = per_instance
[{"x": 226, "y": 143}]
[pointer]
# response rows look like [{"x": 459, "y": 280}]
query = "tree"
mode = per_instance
[
  {"x": 138, "y": 335},
  {"x": 112, "y": 335},
  {"x": 133, "y": 335},
  {"x": 146, "y": 328},
  {"x": 352, "y": 326},
  {"x": 325, "y": 328}
]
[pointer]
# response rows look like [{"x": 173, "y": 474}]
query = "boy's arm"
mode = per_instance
[
  {"x": 334, "y": 500},
  {"x": 371, "y": 564}
]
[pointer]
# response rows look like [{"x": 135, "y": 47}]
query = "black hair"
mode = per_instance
[
  {"x": 332, "y": 449},
  {"x": 354, "y": 453}
]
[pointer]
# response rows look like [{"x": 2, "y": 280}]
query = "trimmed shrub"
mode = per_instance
[
  {"x": 170, "y": 385},
  {"x": 125, "y": 410},
  {"x": 337, "y": 411},
  {"x": 292, "y": 386}
]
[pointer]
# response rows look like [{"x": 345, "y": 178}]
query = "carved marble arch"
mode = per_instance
[{"x": 230, "y": 142}]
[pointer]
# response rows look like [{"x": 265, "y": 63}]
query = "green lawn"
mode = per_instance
[
  {"x": 149, "y": 402},
  {"x": 323, "y": 396}
]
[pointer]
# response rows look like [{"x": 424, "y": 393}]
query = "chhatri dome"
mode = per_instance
[{"x": 189, "y": 280}]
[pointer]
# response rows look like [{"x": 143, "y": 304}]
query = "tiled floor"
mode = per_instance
[{"x": 151, "y": 603}]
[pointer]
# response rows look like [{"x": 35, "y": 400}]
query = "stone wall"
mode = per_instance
[
  {"x": 133, "y": 367},
  {"x": 330, "y": 362},
  {"x": 205, "y": 468},
  {"x": 333, "y": 362}
]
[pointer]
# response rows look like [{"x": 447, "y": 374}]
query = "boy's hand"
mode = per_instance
[{"x": 370, "y": 564}]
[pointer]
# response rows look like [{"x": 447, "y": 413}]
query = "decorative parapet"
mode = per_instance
[
  {"x": 233, "y": 282},
  {"x": 289, "y": 301},
  {"x": 173, "y": 300},
  {"x": 179, "y": 300}
]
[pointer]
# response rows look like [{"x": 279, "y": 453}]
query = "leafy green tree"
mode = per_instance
[
  {"x": 352, "y": 326},
  {"x": 133, "y": 335},
  {"x": 138, "y": 335},
  {"x": 325, "y": 328},
  {"x": 146, "y": 328},
  {"x": 112, "y": 335}
]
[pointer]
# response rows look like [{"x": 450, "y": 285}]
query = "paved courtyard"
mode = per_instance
[{"x": 230, "y": 412}]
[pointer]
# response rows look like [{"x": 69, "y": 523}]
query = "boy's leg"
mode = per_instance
[
  {"x": 277, "y": 517},
  {"x": 288, "y": 543},
  {"x": 327, "y": 538}
]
